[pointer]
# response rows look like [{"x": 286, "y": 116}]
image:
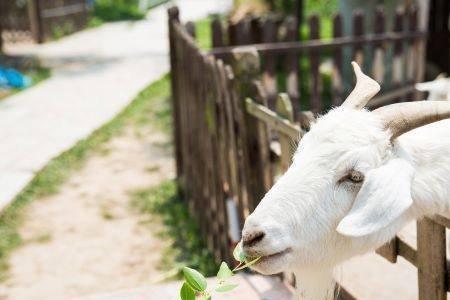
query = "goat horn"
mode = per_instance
[
  {"x": 364, "y": 90},
  {"x": 403, "y": 117}
]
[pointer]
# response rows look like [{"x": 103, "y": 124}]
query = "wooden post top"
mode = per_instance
[{"x": 246, "y": 62}]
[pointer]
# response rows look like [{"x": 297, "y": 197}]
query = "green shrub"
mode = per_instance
[{"x": 117, "y": 10}]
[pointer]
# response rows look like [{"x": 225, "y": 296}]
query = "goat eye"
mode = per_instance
[{"x": 356, "y": 176}]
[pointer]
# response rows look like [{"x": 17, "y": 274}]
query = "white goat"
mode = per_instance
[
  {"x": 438, "y": 89},
  {"x": 356, "y": 179}
]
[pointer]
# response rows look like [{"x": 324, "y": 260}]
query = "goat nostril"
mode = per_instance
[{"x": 252, "y": 238}]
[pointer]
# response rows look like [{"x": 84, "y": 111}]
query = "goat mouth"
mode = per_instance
[{"x": 273, "y": 256}]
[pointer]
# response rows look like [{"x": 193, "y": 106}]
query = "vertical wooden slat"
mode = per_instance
[
  {"x": 184, "y": 88},
  {"x": 431, "y": 260},
  {"x": 174, "y": 67},
  {"x": 358, "y": 30},
  {"x": 299, "y": 11},
  {"x": 246, "y": 66},
  {"x": 314, "y": 61},
  {"x": 242, "y": 35},
  {"x": 420, "y": 52},
  {"x": 378, "y": 67},
  {"x": 239, "y": 131},
  {"x": 337, "y": 83},
  {"x": 231, "y": 30},
  {"x": 397, "y": 60},
  {"x": 411, "y": 61},
  {"x": 263, "y": 141},
  {"x": 217, "y": 33},
  {"x": 255, "y": 30},
  {"x": 207, "y": 205},
  {"x": 269, "y": 81},
  {"x": 291, "y": 66},
  {"x": 214, "y": 124},
  {"x": 34, "y": 12},
  {"x": 228, "y": 157}
]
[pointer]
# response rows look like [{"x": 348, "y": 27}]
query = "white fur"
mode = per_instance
[
  {"x": 323, "y": 218},
  {"x": 438, "y": 89}
]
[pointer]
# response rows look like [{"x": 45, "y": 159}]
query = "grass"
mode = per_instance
[
  {"x": 119, "y": 10},
  {"x": 203, "y": 32},
  {"x": 151, "y": 105},
  {"x": 188, "y": 248}
]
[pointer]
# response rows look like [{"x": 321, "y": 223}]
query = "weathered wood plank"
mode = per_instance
[
  {"x": 378, "y": 67},
  {"x": 431, "y": 260},
  {"x": 389, "y": 250},
  {"x": 217, "y": 36},
  {"x": 398, "y": 63},
  {"x": 314, "y": 61},
  {"x": 337, "y": 82},
  {"x": 291, "y": 65},
  {"x": 268, "y": 77},
  {"x": 358, "y": 31},
  {"x": 246, "y": 66},
  {"x": 306, "y": 46},
  {"x": 174, "y": 67},
  {"x": 273, "y": 120}
]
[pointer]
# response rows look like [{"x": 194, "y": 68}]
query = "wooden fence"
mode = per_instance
[
  {"x": 40, "y": 20},
  {"x": 230, "y": 144},
  {"x": 291, "y": 62}
]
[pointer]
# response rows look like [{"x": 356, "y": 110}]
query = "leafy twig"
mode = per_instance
[{"x": 195, "y": 285}]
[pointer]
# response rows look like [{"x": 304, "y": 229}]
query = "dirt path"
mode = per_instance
[{"x": 86, "y": 239}]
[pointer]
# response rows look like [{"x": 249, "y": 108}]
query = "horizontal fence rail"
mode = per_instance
[{"x": 289, "y": 47}]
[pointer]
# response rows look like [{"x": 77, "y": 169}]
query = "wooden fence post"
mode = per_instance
[
  {"x": 174, "y": 18},
  {"x": 34, "y": 13},
  {"x": 337, "y": 83},
  {"x": 246, "y": 67},
  {"x": 291, "y": 63},
  {"x": 378, "y": 67},
  {"x": 431, "y": 260},
  {"x": 358, "y": 31},
  {"x": 398, "y": 63},
  {"x": 269, "y": 35}
]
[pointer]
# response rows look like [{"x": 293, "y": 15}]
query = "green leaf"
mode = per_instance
[
  {"x": 195, "y": 279},
  {"x": 186, "y": 293},
  {"x": 224, "y": 272},
  {"x": 238, "y": 253},
  {"x": 207, "y": 297},
  {"x": 248, "y": 264},
  {"x": 226, "y": 288}
]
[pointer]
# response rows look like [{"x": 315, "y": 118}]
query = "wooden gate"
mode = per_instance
[{"x": 41, "y": 20}]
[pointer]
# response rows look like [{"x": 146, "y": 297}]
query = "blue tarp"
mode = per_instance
[{"x": 11, "y": 78}]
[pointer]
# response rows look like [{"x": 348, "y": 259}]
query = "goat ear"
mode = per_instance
[{"x": 384, "y": 196}]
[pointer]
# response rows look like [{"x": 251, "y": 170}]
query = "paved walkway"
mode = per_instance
[{"x": 96, "y": 73}]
